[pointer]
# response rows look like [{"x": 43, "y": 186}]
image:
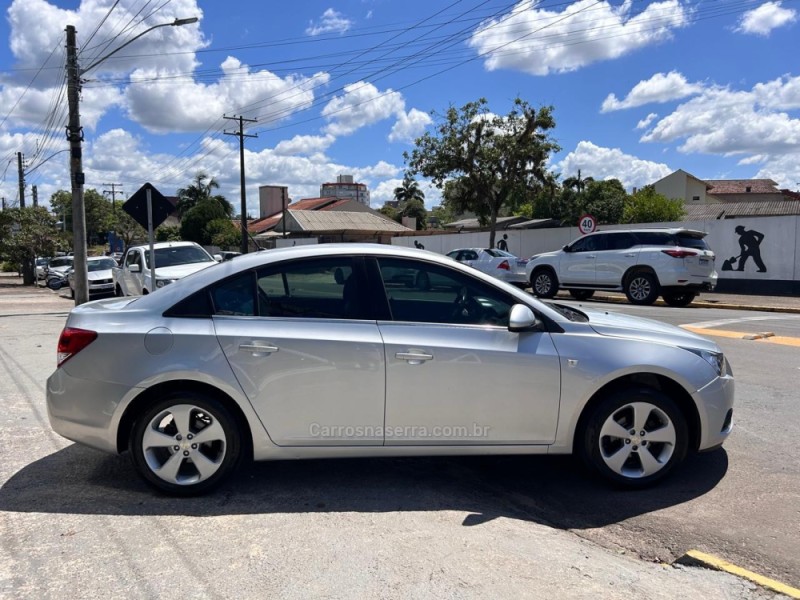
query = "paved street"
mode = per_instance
[{"x": 78, "y": 523}]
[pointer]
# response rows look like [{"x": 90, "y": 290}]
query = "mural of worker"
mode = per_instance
[
  {"x": 749, "y": 247},
  {"x": 419, "y": 245},
  {"x": 503, "y": 244}
]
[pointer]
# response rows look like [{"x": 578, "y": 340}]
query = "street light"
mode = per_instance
[{"x": 75, "y": 137}]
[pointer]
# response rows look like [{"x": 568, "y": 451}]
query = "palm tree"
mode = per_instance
[
  {"x": 199, "y": 190},
  {"x": 408, "y": 190},
  {"x": 577, "y": 183}
]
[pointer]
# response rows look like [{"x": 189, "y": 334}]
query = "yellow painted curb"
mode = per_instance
[
  {"x": 741, "y": 335},
  {"x": 695, "y": 557}
]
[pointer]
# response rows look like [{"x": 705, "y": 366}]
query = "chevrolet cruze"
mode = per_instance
[{"x": 323, "y": 352}]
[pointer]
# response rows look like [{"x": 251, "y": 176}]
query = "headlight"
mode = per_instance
[
  {"x": 162, "y": 282},
  {"x": 715, "y": 359}
]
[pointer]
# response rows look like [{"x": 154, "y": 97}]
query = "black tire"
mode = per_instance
[
  {"x": 598, "y": 451},
  {"x": 679, "y": 298},
  {"x": 72, "y": 293},
  {"x": 204, "y": 411},
  {"x": 118, "y": 292},
  {"x": 642, "y": 288},
  {"x": 581, "y": 294},
  {"x": 54, "y": 284},
  {"x": 544, "y": 282}
]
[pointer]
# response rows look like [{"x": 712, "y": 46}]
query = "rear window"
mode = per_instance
[
  {"x": 691, "y": 242},
  {"x": 654, "y": 238}
]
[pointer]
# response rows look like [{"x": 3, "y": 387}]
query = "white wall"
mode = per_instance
[{"x": 780, "y": 250}]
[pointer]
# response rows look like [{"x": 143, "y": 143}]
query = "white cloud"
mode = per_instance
[
  {"x": 539, "y": 41},
  {"x": 304, "y": 144},
  {"x": 409, "y": 126},
  {"x": 332, "y": 21},
  {"x": 362, "y": 104},
  {"x": 785, "y": 170},
  {"x": 659, "y": 88},
  {"x": 611, "y": 163},
  {"x": 765, "y": 18},
  {"x": 195, "y": 106},
  {"x": 645, "y": 123}
]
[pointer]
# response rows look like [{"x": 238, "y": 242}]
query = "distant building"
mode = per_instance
[
  {"x": 693, "y": 191},
  {"x": 272, "y": 199},
  {"x": 345, "y": 187}
]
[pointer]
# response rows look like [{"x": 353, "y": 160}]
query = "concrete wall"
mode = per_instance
[{"x": 780, "y": 250}]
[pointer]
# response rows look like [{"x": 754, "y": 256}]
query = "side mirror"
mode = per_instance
[
  {"x": 523, "y": 319},
  {"x": 135, "y": 268},
  {"x": 218, "y": 257},
  {"x": 566, "y": 248}
]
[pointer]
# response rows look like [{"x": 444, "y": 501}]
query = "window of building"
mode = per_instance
[{"x": 696, "y": 198}]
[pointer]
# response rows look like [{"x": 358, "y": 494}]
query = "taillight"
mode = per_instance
[
  {"x": 679, "y": 253},
  {"x": 504, "y": 265},
  {"x": 72, "y": 341}
]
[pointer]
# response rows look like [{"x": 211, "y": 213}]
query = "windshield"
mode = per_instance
[
  {"x": 495, "y": 252},
  {"x": 42, "y": 261},
  {"x": 102, "y": 265},
  {"x": 61, "y": 262},
  {"x": 178, "y": 255}
]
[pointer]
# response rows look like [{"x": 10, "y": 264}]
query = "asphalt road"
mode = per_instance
[{"x": 78, "y": 523}]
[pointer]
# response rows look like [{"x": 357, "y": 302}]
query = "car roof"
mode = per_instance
[
  {"x": 160, "y": 245},
  {"x": 88, "y": 258},
  {"x": 670, "y": 230}
]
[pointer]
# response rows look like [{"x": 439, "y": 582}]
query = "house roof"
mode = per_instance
[
  {"x": 341, "y": 222},
  {"x": 729, "y": 210},
  {"x": 502, "y": 223},
  {"x": 739, "y": 186}
]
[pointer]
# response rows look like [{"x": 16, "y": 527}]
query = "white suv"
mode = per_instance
[{"x": 675, "y": 263}]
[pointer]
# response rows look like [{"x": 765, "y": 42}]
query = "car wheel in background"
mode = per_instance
[
  {"x": 679, "y": 298},
  {"x": 642, "y": 288},
  {"x": 186, "y": 444},
  {"x": 54, "y": 284},
  {"x": 118, "y": 292},
  {"x": 581, "y": 294},
  {"x": 634, "y": 437},
  {"x": 544, "y": 283}
]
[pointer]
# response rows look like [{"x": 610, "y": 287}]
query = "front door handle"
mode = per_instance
[
  {"x": 630, "y": 255},
  {"x": 414, "y": 358},
  {"x": 258, "y": 348},
  {"x": 591, "y": 256}
]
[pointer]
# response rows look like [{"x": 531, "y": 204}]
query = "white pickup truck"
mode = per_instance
[{"x": 173, "y": 261}]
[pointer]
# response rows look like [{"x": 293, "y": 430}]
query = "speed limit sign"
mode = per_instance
[{"x": 587, "y": 224}]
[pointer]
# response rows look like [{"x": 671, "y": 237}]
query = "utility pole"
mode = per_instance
[
  {"x": 77, "y": 177},
  {"x": 21, "y": 174},
  {"x": 113, "y": 191},
  {"x": 241, "y": 135},
  {"x": 35, "y": 194}
]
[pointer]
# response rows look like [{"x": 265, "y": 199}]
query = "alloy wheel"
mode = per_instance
[{"x": 640, "y": 288}]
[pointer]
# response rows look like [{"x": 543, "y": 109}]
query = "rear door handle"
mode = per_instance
[
  {"x": 414, "y": 358},
  {"x": 630, "y": 255},
  {"x": 591, "y": 256},
  {"x": 258, "y": 348}
]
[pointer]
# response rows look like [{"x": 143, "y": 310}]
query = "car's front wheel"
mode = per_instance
[
  {"x": 642, "y": 288},
  {"x": 634, "y": 437},
  {"x": 186, "y": 444},
  {"x": 544, "y": 283},
  {"x": 679, "y": 298}
]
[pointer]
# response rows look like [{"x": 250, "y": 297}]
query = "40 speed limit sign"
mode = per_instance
[{"x": 587, "y": 224}]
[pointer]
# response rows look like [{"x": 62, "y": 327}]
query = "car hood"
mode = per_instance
[
  {"x": 178, "y": 271},
  {"x": 625, "y": 326},
  {"x": 104, "y": 274}
]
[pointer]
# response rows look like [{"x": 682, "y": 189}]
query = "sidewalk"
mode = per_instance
[{"x": 19, "y": 299}]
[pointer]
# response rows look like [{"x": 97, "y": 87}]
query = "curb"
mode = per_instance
[
  {"x": 701, "y": 304},
  {"x": 696, "y": 558}
]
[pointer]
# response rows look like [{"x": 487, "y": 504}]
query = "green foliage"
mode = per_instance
[
  {"x": 126, "y": 228},
  {"x": 408, "y": 190},
  {"x": 648, "y": 206},
  {"x": 26, "y": 233},
  {"x": 390, "y": 212},
  {"x": 482, "y": 160},
  {"x": 99, "y": 212},
  {"x": 168, "y": 233},
  {"x": 194, "y": 222},
  {"x": 201, "y": 189},
  {"x": 415, "y": 208},
  {"x": 604, "y": 200},
  {"x": 224, "y": 234}
]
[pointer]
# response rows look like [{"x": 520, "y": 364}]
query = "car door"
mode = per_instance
[
  {"x": 577, "y": 264},
  {"x": 455, "y": 374},
  {"x": 133, "y": 283},
  {"x": 620, "y": 253},
  {"x": 298, "y": 339}
]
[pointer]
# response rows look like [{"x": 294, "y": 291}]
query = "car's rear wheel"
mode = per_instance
[
  {"x": 634, "y": 437},
  {"x": 581, "y": 294},
  {"x": 186, "y": 444},
  {"x": 642, "y": 288},
  {"x": 679, "y": 298},
  {"x": 544, "y": 283}
]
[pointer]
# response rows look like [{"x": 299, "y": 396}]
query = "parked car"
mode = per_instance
[
  {"x": 41, "y": 267},
  {"x": 56, "y": 272},
  {"x": 173, "y": 261},
  {"x": 99, "y": 276},
  {"x": 644, "y": 263},
  {"x": 228, "y": 255},
  {"x": 311, "y": 352},
  {"x": 495, "y": 262}
]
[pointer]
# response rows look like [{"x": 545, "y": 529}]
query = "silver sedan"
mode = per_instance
[{"x": 321, "y": 351}]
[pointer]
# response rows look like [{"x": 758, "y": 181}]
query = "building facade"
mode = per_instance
[{"x": 345, "y": 187}]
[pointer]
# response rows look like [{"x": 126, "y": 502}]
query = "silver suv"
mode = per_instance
[{"x": 675, "y": 263}]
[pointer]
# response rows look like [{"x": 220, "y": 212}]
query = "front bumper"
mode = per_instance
[
  {"x": 715, "y": 406},
  {"x": 85, "y": 410}
]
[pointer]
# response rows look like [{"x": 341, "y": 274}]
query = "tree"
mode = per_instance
[
  {"x": 193, "y": 224},
  {"x": 390, "y": 212},
  {"x": 604, "y": 200},
  {"x": 648, "y": 206},
  {"x": 576, "y": 183},
  {"x": 99, "y": 214},
  {"x": 201, "y": 189},
  {"x": 126, "y": 228},
  {"x": 25, "y": 234},
  {"x": 168, "y": 233},
  {"x": 408, "y": 190},
  {"x": 489, "y": 156},
  {"x": 223, "y": 234},
  {"x": 415, "y": 208}
]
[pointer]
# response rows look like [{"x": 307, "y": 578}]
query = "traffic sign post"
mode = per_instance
[
  {"x": 587, "y": 224},
  {"x": 149, "y": 208}
]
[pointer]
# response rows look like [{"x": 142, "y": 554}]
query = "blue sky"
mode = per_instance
[{"x": 639, "y": 89}]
